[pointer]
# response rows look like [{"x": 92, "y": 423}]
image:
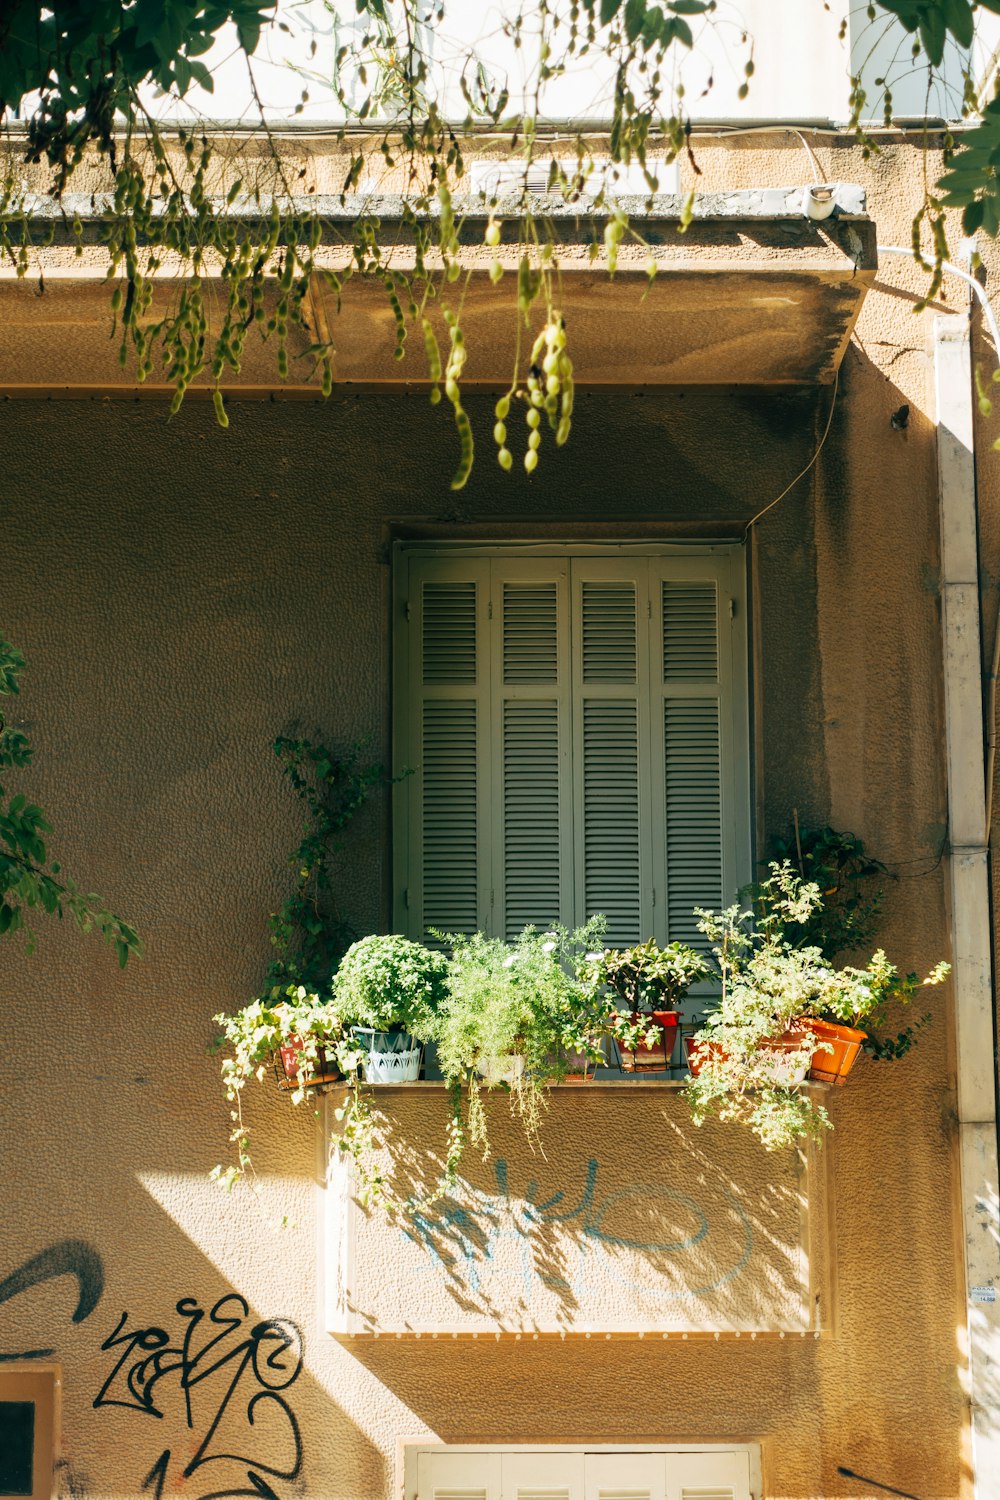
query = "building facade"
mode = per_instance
[{"x": 640, "y": 1307}]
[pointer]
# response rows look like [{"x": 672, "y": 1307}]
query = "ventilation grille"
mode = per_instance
[
  {"x": 689, "y": 1494},
  {"x": 609, "y": 632},
  {"x": 449, "y": 636},
  {"x": 690, "y": 632},
  {"x": 694, "y": 813},
  {"x": 439, "y": 1494},
  {"x": 533, "y": 1494},
  {"x": 611, "y": 816},
  {"x": 450, "y": 865},
  {"x": 529, "y": 633},
  {"x": 531, "y": 814},
  {"x": 624, "y": 1495}
]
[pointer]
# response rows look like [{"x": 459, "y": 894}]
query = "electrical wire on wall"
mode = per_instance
[{"x": 802, "y": 472}]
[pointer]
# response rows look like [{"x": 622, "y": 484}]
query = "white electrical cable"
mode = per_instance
[{"x": 970, "y": 281}]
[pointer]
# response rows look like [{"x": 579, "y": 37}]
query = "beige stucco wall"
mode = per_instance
[{"x": 184, "y": 594}]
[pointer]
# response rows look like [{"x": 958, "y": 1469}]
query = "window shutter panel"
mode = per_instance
[
  {"x": 447, "y": 716},
  {"x": 611, "y": 772},
  {"x": 625, "y": 1476},
  {"x": 708, "y": 1476},
  {"x": 691, "y": 690},
  {"x": 543, "y": 1476},
  {"x": 530, "y": 675},
  {"x": 458, "y": 1476}
]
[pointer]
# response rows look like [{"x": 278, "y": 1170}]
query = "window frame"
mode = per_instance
[
  {"x": 411, "y": 1450},
  {"x": 736, "y": 782}
]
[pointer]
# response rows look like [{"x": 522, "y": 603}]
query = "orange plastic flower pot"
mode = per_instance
[{"x": 833, "y": 1066}]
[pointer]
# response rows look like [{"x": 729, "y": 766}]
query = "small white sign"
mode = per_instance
[{"x": 982, "y": 1294}]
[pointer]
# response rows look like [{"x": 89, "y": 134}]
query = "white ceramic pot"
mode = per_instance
[
  {"x": 494, "y": 1070},
  {"x": 389, "y": 1056}
]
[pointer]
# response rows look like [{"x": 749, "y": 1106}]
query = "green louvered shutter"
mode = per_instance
[
  {"x": 611, "y": 774},
  {"x": 530, "y": 649},
  {"x": 699, "y": 814},
  {"x": 445, "y": 744},
  {"x": 578, "y": 732}
]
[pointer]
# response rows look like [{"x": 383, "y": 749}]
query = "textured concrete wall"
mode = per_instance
[{"x": 182, "y": 595}]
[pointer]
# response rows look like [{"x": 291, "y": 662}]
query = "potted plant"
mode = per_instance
[
  {"x": 647, "y": 983},
  {"x": 517, "y": 1016},
  {"x": 292, "y": 1031},
  {"x": 388, "y": 990},
  {"x": 769, "y": 1027}
]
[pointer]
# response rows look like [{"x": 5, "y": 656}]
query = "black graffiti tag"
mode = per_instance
[
  {"x": 65, "y": 1258},
  {"x": 256, "y": 1363}
]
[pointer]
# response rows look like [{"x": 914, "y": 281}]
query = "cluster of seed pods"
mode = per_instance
[{"x": 548, "y": 390}]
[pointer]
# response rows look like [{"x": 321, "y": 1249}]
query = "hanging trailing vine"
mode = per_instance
[{"x": 184, "y": 208}]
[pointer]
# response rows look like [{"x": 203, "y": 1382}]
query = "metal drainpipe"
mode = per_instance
[{"x": 968, "y": 889}]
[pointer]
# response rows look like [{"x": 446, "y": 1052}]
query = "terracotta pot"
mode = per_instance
[
  {"x": 286, "y": 1067},
  {"x": 698, "y": 1052},
  {"x": 833, "y": 1066},
  {"x": 783, "y": 1070},
  {"x": 580, "y": 1067},
  {"x": 654, "y": 1059}
]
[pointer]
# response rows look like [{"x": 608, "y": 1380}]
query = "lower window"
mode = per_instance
[{"x": 693, "y": 1472}]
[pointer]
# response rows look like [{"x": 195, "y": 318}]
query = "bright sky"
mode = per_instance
[{"x": 801, "y": 65}]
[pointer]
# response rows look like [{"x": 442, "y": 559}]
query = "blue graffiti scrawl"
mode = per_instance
[{"x": 465, "y": 1239}]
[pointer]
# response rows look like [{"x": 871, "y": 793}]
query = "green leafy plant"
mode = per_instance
[
  {"x": 288, "y": 1017},
  {"x": 644, "y": 978},
  {"x": 29, "y": 878},
  {"x": 756, "y": 1043},
  {"x": 848, "y": 879},
  {"x": 390, "y": 983},
  {"x": 515, "y": 1011},
  {"x": 308, "y": 933},
  {"x": 385, "y": 983}
]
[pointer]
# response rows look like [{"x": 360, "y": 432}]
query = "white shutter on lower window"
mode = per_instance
[
  {"x": 708, "y": 1476},
  {"x": 625, "y": 1476},
  {"x": 574, "y": 1474},
  {"x": 543, "y": 1476},
  {"x": 458, "y": 1476}
]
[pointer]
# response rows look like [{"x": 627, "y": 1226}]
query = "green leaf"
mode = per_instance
[
  {"x": 933, "y": 34},
  {"x": 635, "y": 14},
  {"x": 609, "y": 9},
  {"x": 959, "y": 20}
]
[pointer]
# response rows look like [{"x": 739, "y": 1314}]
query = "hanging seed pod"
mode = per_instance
[{"x": 221, "y": 415}]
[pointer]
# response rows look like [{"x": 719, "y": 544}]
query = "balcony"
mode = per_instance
[{"x": 625, "y": 1220}]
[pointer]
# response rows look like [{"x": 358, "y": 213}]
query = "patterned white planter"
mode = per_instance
[{"x": 389, "y": 1056}]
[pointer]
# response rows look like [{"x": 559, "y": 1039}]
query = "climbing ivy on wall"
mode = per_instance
[{"x": 30, "y": 880}]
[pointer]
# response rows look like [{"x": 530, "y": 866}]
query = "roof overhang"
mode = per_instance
[{"x": 752, "y": 292}]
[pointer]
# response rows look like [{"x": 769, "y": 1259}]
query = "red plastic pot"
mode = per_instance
[
  {"x": 286, "y": 1067},
  {"x": 655, "y": 1059}
]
